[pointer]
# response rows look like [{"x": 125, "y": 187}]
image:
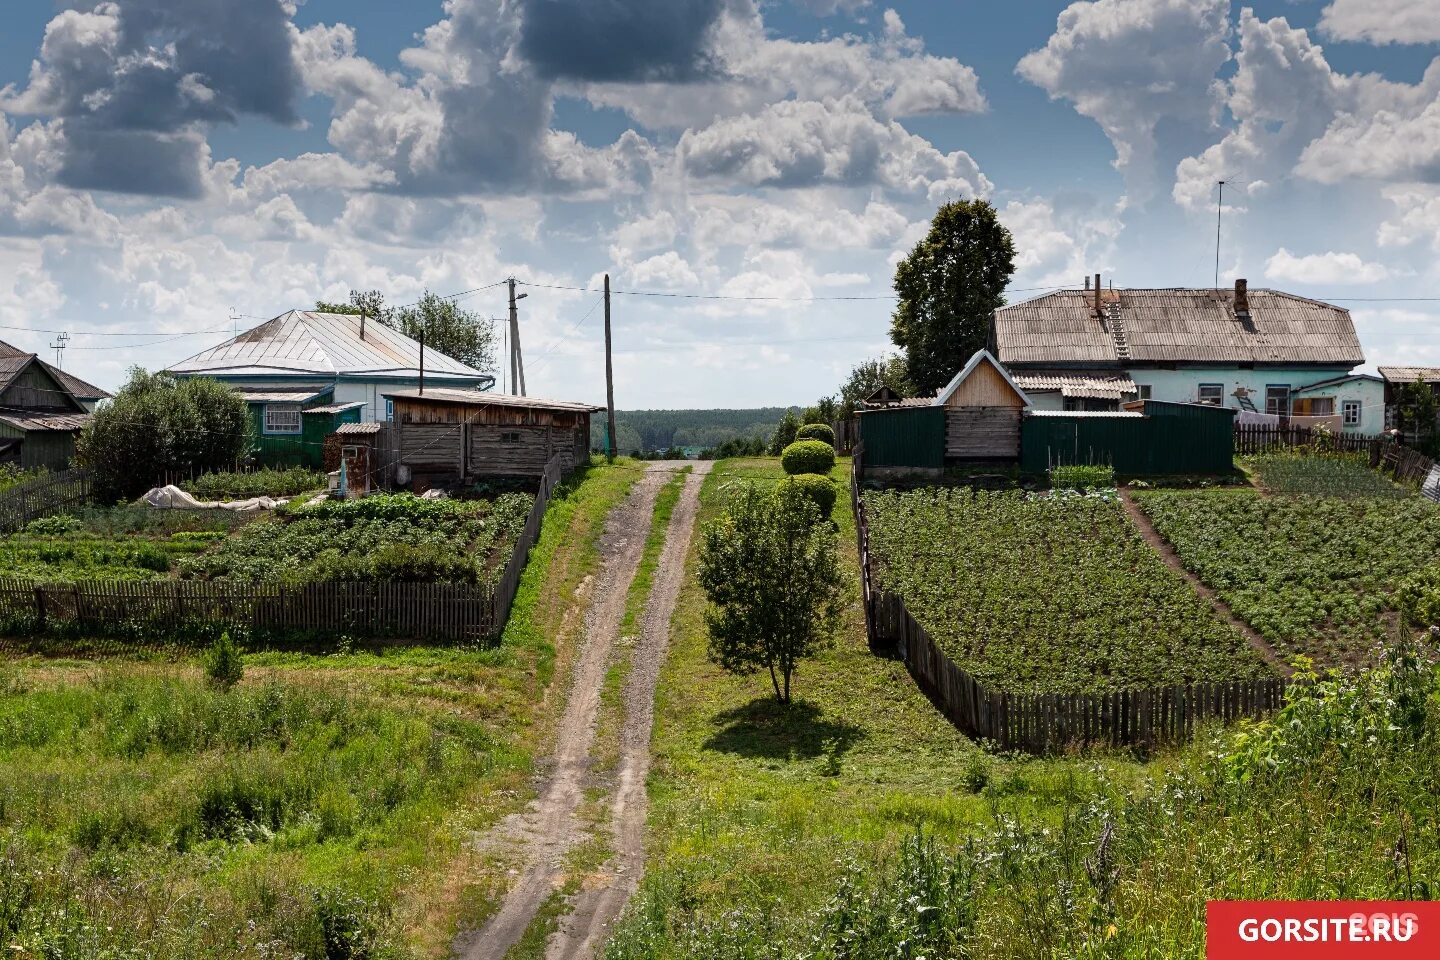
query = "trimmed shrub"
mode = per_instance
[
  {"x": 1082, "y": 477},
  {"x": 816, "y": 431},
  {"x": 821, "y": 490},
  {"x": 808, "y": 456}
]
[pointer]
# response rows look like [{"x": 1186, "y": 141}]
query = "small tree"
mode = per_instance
[
  {"x": 223, "y": 665},
  {"x": 784, "y": 433},
  {"x": 1417, "y": 412},
  {"x": 449, "y": 329},
  {"x": 949, "y": 288},
  {"x": 770, "y": 570}
]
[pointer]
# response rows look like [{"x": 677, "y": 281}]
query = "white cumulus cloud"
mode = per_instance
[
  {"x": 1382, "y": 21},
  {"x": 1330, "y": 267}
]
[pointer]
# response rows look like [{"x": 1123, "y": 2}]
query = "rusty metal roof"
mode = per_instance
[
  {"x": 1175, "y": 326},
  {"x": 44, "y": 421},
  {"x": 328, "y": 344},
  {"x": 1411, "y": 374},
  {"x": 479, "y": 398}
]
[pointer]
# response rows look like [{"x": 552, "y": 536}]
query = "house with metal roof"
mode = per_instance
[
  {"x": 329, "y": 368},
  {"x": 1256, "y": 351},
  {"x": 42, "y": 410}
]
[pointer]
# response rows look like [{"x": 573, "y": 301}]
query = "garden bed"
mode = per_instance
[
  {"x": 1315, "y": 575},
  {"x": 1048, "y": 593}
]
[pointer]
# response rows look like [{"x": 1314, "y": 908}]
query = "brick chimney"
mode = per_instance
[
  {"x": 1099, "y": 311},
  {"x": 1242, "y": 298}
]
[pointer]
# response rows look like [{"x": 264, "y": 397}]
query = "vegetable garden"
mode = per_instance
[
  {"x": 1047, "y": 593},
  {"x": 1314, "y": 575},
  {"x": 1295, "y": 472}
]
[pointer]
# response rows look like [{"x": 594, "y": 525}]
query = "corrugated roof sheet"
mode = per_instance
[
  {"x": 1080, "y": 384},
  {"x": 283, "y": 396},
  {"x": 70, "y": 382},
  {"x": 1176, "y": 326},
  {"x": 45, "y": 421},
  {"x": 1410, "y": 374},
  {"x": 482, "y": 399},
  {"x": 352, "y": 429},
  {"x": 336, "y": 407},
  {"x": 1124, "y": 414},
  {"x": 304, "y": 341}
]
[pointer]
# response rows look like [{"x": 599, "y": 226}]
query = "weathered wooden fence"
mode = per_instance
[
  {"x": 41, "y": 497},
  {"x": 435, "y": 612},
  {"x": 1258, "y": 438},
  {"x": 1043, "y": 723},
  {"x": 510, "y": 579},
  {"x": 454, "y": 612},
  {"x": 1407, "y": 466},
  {"x": 847, "y": 434}
]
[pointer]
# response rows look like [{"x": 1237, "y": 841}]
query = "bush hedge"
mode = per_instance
[
  {"x": 808, "y": 456},
  {"x": 821, "y": 490},
  {"x": 816, "y": 431}
]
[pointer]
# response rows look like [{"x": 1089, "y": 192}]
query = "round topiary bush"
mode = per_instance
[
  {"x": 808, "y": 456},
  {"x": 816, "y": 431},
  {"x": 820, "y": 490}
]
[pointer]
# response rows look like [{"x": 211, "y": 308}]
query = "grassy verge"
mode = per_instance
[
  {"x": 756, "y": 807},
  {"x": 325, "y": 808}
]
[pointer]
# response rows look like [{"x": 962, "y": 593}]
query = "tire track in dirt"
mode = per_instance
[
  {"x": 1167, "y": 553},
  {"x": 595, "y": 908},
  {"x": 550, "y": 827}
]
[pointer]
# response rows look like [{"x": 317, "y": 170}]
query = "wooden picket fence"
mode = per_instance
[
  {"x": 1258, "y": 438},
  {"x": 433, "y": 612},
  {"x": 1407, "y": 465},
  {"x": 42, "y": 497},
  {"x": 1044, "y": 723}
]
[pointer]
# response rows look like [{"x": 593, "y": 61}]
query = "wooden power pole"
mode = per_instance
[
  {"x": 609, "y": 379},
  {"x": 517, "y": 359}
]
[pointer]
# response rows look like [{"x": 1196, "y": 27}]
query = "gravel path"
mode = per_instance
[{"x": 549, "y": 827}]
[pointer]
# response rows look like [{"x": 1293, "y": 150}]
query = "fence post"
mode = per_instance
[{"x": 40, "y": 607}]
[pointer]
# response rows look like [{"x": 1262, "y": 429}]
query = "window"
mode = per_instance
[
  {"x": 1277, "y": 399},
  {"x": 510, "y": 437},
  {"x": 1144, "y": 389},
  {"x": 1212, "y": 393},
  {"x": 389, "y": 409},
  {"x": 282, "y": 418},
  {"x": 1351, "y": 411}
]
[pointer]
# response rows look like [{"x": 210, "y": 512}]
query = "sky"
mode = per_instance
[{"x": 747, "y": 171}]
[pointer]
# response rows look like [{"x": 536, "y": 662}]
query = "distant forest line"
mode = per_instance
[{"x": 647, "y": 430}]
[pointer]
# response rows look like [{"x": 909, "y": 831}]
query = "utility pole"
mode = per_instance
[
  {"x": 517, "y": 359},
  {"x": 59, "y": 347},
  {"x": 609, "y": 380}
]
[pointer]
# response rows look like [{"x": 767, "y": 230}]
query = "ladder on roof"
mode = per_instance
[{"x": 1117, "y": 330}]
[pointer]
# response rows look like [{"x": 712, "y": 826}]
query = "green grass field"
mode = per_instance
[{"x": 325, "y": 808}]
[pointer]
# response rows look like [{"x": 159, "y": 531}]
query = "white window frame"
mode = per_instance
[
  {"x": 1219, "y": 399},
  {"x": 1142, "y": 391},
  {"x": 1278, "y": 386},
  {"x": 284, "y": 408},
  {"x": 1346, "y": 406}
]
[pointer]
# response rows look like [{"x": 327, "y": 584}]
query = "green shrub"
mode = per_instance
[
  {"x": 56, "y": 526},
  {"x": 223, "y": 665},
  {"x": 1082, "y": 477},
  {"x": 816, "y": 431},
  {"x": 821, "y": 490},
  {"x": 808, "y": 456}
]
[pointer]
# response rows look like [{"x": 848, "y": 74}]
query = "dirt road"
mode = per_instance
[{"x": 549, "y": 828}]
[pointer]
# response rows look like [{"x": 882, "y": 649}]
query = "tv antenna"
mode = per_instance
[
  {"x": 59, "y": 347},
  {"x": 1219, "y": 210}
]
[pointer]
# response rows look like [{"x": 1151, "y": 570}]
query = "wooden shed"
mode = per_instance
[
  {"x": 983, "y": 409},
  {"x": 40, "y": 415},
  {"x": 461, "y": 434}
]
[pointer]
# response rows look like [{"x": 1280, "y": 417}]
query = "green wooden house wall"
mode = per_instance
[{"x": 303, "y": 449}]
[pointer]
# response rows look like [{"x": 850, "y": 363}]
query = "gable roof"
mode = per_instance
[
  {"x": 979, "y": 357},
  {"x": 309, "y": 343},
  {"x": 12, "y": 365},
  {"x": 1336, "y": 381},
  {"x": 1174, "y": 326},
  {"x": 78, "y": 387}
]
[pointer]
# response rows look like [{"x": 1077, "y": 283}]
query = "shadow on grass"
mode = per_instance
[{"x": 764, "y": 727}]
